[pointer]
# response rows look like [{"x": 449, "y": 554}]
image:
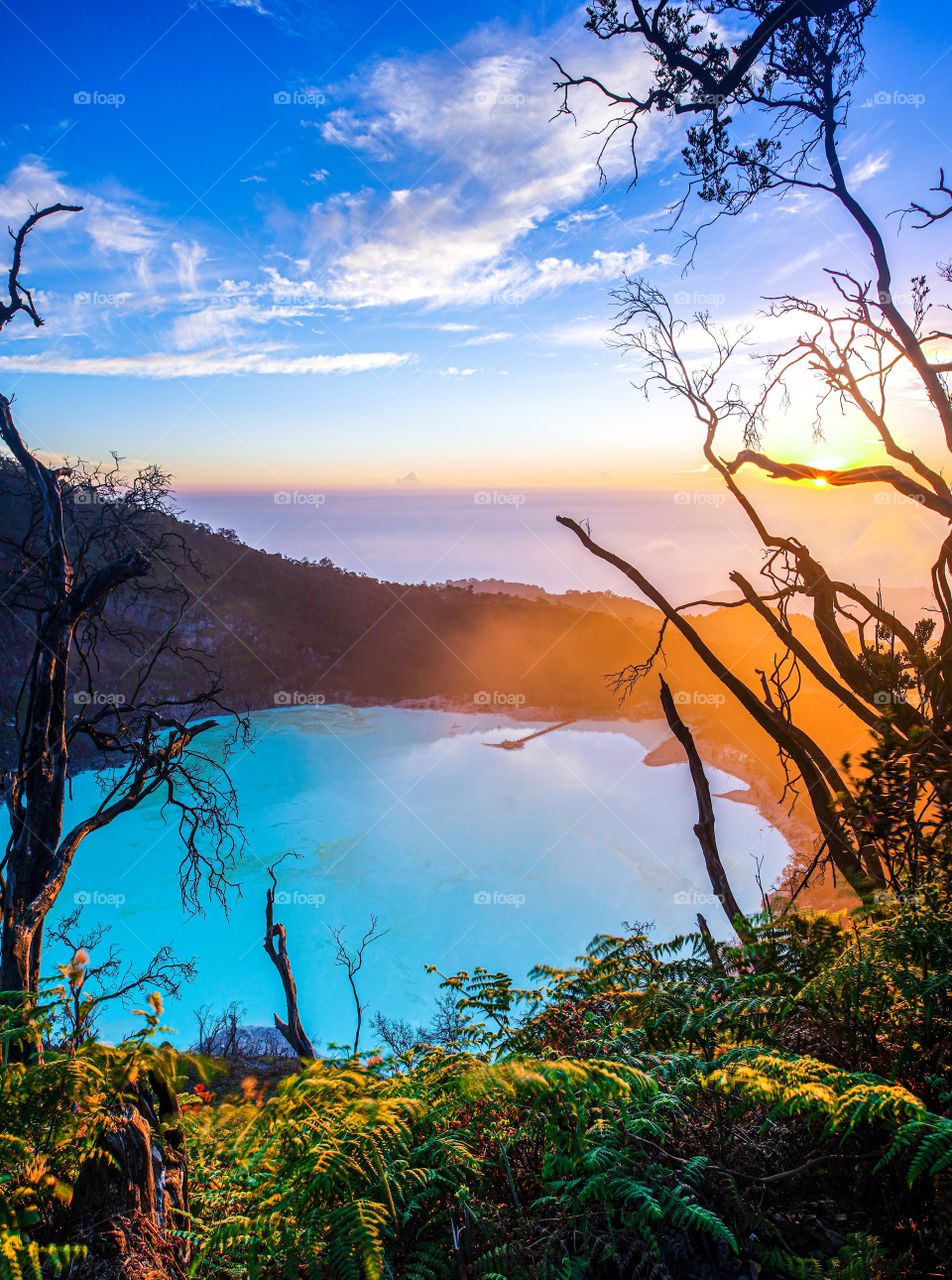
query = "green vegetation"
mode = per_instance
[
  {"x": 646, "y": 1113},
  {"x": 666, "y": 1110},
  {"x": 56, "y": 1103}
]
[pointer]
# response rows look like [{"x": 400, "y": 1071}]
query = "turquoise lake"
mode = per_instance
[{"x": 466, "y": 855}]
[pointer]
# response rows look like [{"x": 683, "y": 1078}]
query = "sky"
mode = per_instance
[{"x": 332, "y": 246}]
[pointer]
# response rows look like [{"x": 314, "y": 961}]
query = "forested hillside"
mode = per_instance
[{"x": 286, "y": 632}]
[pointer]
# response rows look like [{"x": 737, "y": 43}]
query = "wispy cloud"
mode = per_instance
[
  {"x": 143, "y": 278},
  {"x": 583, "y": 217},
  {"x": 867, "y": 169},
  {"x": 475, "y": 124},
  {"x": 114, "y": 224},
  {"x": 484, "y": 339},
  {"x": 202, "y": 364}
]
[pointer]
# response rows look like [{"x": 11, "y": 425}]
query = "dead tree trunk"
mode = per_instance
[
  {"x": 292, "y": 1028},
  {"x": 69, "y": 571},
  {"x": 710, "y": 945},
  {"x": 131, "y": 1200},
  {"x": 36, "y": 861},
  {"x": 704, "y": 827}
]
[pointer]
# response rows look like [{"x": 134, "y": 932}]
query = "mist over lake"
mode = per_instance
[
  {"x": 417, "y": 534},
  {"x": 468, "y": 856}
]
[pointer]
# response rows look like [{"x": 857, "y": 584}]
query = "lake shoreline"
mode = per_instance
[{"x": 662, "y": 750}]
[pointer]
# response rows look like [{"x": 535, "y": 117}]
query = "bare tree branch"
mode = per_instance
[
  {"x": 704, "y": 827},
  {"x": 21, "y": 299},
  {"x": 352, "y": 962}
]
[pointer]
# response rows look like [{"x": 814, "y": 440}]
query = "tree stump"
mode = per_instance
[{"x": 132, "y": 1196}]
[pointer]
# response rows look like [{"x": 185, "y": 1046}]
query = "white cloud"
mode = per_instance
[
  {"x": 867, "y": 169},
  {"x": 114, "y": 224},
  {"x": 582, "y": 217},
  {"x": 484, "y": 339},
  {"x": 189, "y": 256},
  {"x": 120, "y": 252},
  {"x": 345, "y": 128},
  {"x": 236, "y": 307},
  {"x": 139, "y": 279},
  {"x": 201, "y": 364},
  {"x": 475, "y": 122}
]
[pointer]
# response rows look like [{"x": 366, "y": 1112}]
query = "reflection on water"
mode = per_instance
[{"x": 468, "y": 856}]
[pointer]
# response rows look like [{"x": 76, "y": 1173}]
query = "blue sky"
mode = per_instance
[{"x": 340, "y": 245}]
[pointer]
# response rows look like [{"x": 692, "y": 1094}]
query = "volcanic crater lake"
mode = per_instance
[{"x": 467, "y": 856}]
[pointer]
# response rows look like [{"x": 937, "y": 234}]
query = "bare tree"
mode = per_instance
[
  {"x": 222, "y": 1033},
  {"x": 21, "y": 299},
  {"x": 396, "y": 1033},
  {"x": 276, "y": 946},
  {"x": 795, "y": 71},
  {"x": 445, "y": 1029},
  {"x": 92, "y": 981},
  {"x": 227, "y": 1035},
  {"x": 97, "y": 586},
  {"x": 207, "y": 1023},
  {"x": 352, "y": 962}
]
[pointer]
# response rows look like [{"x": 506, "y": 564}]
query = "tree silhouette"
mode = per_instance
[
  {"x": 792, "y": 77},
  {"x": 96, "y": 584}
]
